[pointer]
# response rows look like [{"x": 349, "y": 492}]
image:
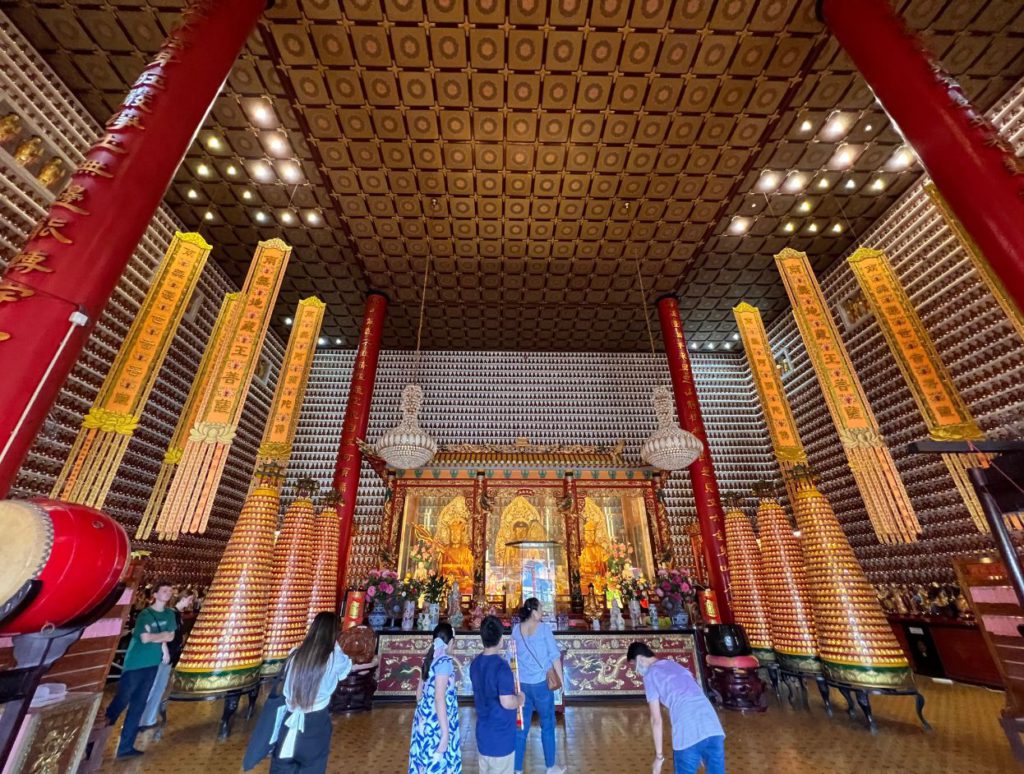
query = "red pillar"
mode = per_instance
[
  {"x": 974, "y": 168},
  {"x": 702, "y": 472},
  {"x": 55, "y": 289},
  {"x": 357, "y": 419}
]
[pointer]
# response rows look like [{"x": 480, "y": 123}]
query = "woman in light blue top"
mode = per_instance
[
  {"x": 313, "y": 672},
  {"x": 536, "y": 653}
]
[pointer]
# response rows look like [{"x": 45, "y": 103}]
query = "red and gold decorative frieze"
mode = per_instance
[
  {"x": 789, "y": 449},
  {"x": 191, "y": 494},
  {"x": 785, "y": 585},
  {"x": 749, "y": 601},
  {"x": 855, "y": 640},
  {"x": 225, "y": 649},
  {"x": 111, "y": 422},
  {"x": 291, "y": 584},
  {"x": 944, "y": 412},
  {"x": 227, "y": 318},
  {"x": 885, "y": 498}
]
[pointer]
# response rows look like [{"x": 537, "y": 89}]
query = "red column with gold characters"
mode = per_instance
[
  {"x": 357, "y": 419},
  {"x": 974, "y": 168},
  {"x": 55, "y": 289},
  {"x": 702, "y": 472}
]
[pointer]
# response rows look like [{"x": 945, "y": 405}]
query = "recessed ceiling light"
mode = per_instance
[
  {"x": 739, "y": 225},
  {"x": 768, "y": 182},
  {"x": 289, "y": 171},
  {"x": 277, "y": 144},
  {"x": 287, "y": 320},
  {"x": 261, "y": 171},
  {"x": 789, "y": 228},
  {"x": 823, "y": 183},
  {"x": 208, "y": 215},
  {"x": 261, "y": 217},
  {"x": 232, "y": 170},
  {"x": 192, "y": 194},
  {"x": 795, "y": 181},
  {"x": 850, "y": 185},
  {"x": 313, "y": 218},
  {"x": 287, "y": 217},
  {"x": 868, "y": 128},
  {"x": 735, "y": 337},
  {"x": 806, "y": 126},
  {"x": 901, "y": 159},
  {"x": 694, "y": 345},
  {"x": 837, "y": 126},
  {"x": 213, "y": 143},
  {"x": 813, "y": 228},
  {"x": 321, "y": 341},
  {"x": 878, "y": 185},
  {"x": 247, "y": 194},
  {"x": 805, "y": 205},
  {"x": 261, "y": 113},
  {"x": 711, "y": 345},
  {"x": 837, "y": 228},
  {"x": 337, "y": 341},
  {"x": 845, "y": 155},
  {"x": 203, "y": 170},
  {"x": 727, "y": 345}
]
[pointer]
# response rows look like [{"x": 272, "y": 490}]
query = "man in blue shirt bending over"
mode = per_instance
[{"x": 496, "y": 701}]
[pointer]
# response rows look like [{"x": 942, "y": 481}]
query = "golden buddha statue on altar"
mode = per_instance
[
  {"x": 594, "y": 554},
  {"x": 452, "y": 540}
]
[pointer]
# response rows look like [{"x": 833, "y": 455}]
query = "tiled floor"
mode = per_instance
[{"x": 615, "y": 738}]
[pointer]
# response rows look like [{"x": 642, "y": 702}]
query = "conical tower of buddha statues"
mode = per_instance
[
  {"x": 225, "y": 649},
  {"x": 855, "y": 641},
  {"x": 292, "y": 580},
  {"x": 749, "y": 601},
  {"x": 785, "y": 584},
  {"x": 326, "y": 531}
]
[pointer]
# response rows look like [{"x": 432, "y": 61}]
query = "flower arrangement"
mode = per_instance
[
  {"x": 634, "y": 586},
  {"x": 674, "y": 588},
  {"x": 435, "y": 587},
  {"x": 381, "y": 585},
  {"x": 411, "y": 587},
  {"x": 619, "y": 558}
]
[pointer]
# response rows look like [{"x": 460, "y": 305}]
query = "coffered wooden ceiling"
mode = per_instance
[{"x": 536, "y": 150}]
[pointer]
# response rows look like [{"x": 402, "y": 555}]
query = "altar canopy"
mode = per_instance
[{"x": 524, "y": 520}]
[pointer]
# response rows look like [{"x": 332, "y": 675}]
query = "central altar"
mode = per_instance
[{"x": 521, "y": 520}]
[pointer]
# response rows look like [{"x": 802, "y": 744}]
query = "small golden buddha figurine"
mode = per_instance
[
  {"x": 52, "y": 172},
  {"x": 593, "y": 559},
  {"x": 457, "y": 558},
  {"x": 29, "y": 152},
  {"x": 10, "y": 128},
  {"x": 592, "y": 607}
]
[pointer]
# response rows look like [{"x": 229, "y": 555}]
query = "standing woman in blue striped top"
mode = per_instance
[{"x": 536, "y": 653}]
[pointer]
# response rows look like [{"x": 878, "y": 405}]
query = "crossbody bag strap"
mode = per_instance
[{"x": 532, "y": 654}]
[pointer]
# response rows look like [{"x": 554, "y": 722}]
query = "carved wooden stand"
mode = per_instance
[
  {"x": 355, "y": 693},
  {"x": 737, "y": 687}
]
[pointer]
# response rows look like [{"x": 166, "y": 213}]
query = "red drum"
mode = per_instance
[{"x": 78, "y": 553}]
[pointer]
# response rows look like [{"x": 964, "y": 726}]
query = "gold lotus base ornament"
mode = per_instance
[{"x": 855, "y": 641}]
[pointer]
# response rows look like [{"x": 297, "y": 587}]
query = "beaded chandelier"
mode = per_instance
[
  {"x": 669, "y": 447},
  {"x": 408, "y": 446}
]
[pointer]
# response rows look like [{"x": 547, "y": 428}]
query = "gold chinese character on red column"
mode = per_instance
[
  {"x": 110, "y": 143},
  {"x": 93, "y": 168},
  {"x": 12, "y": 291},
  {"x": 125, "y": 119},
  {"x": 69, "y": 197},
  {"x": 50, "y": 227},
  {"x": 25, "y": 263}
]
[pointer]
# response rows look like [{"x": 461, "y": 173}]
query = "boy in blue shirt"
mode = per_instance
[{"x": 496, "y": 700}]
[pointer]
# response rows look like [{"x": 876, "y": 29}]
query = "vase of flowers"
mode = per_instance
[
  {"x": 634, "y": 588},
  {"x": 381, "y": 585},
  {"x": 408, "y": 594},
  {"x": 675, "y": 589},
  {"x": 435, "y": 589}
]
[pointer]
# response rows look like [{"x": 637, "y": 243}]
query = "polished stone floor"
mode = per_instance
[{"x": 615, "y": 738}]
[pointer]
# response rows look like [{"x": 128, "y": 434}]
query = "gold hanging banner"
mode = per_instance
[
  {"x": 194, "y": 486},
  {"x": 291, "y": 384},
  {"x": 227, "y": 319},
  {"x": 981, "y": 266},
  {"x": 789, "y": 450},
  {"x": 108, "y": 427},
  {"x": 885, "y": 498},
  {"x": 944, "y": 411}
]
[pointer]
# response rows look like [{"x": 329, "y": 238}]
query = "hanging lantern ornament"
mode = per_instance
[
  {"x": 669, "y": 447},
  {"x": 408, "y": 446}
]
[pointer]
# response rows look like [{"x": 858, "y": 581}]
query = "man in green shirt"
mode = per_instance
[{"x": 154, "y": 628}]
